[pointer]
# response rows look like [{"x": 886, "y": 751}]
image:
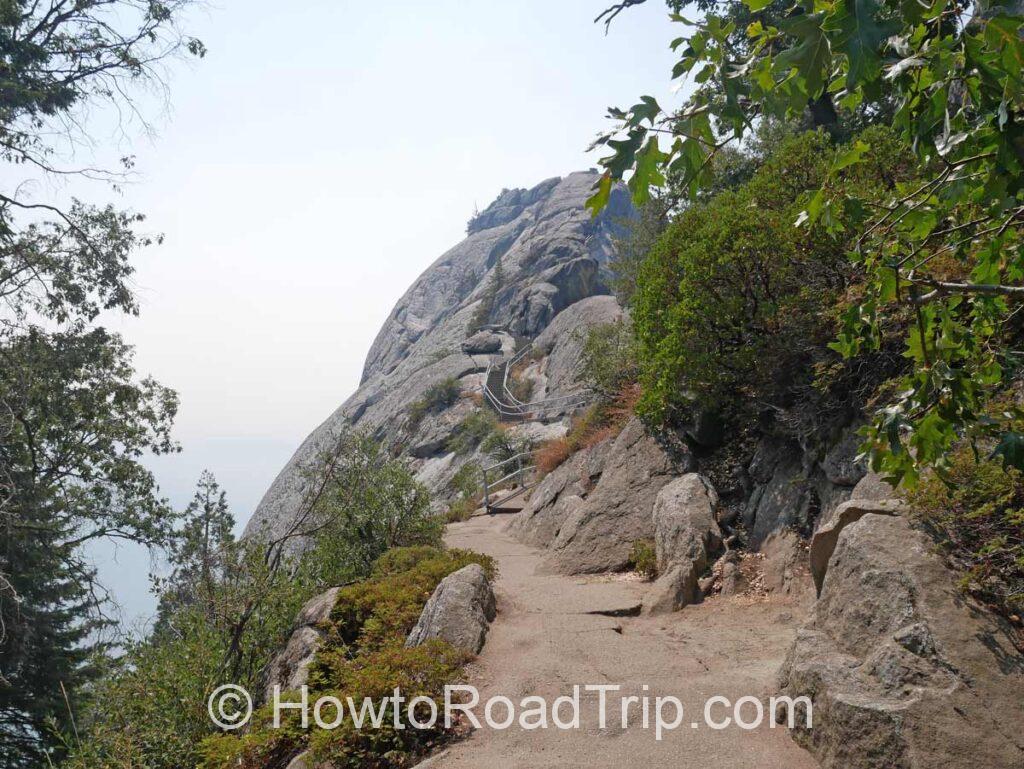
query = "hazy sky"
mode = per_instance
[{"x": 311, "y": 166}]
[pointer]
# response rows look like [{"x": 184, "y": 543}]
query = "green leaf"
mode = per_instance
[
  {"x": 757, "y": 5},
  {"x": 859, "y": 34},
  {"x": 1011, "y": 450},
  {"x": 597, "y": 202},
  {"x": 811, "y": 57},
  {"x": 647, "y": 172},
  {"x": 852, "y": 155},
  {"x": 648, "y": 109}
]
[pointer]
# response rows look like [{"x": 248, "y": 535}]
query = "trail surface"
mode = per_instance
[{"x": 545, "y": 639}]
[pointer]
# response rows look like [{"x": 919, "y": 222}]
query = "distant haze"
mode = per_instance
[{"x": 319, "y": 158}]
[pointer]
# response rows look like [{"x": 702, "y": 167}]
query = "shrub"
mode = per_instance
[
  {"x": 598, "y": 423},
  {"x": 503, "y": 444},
  {"x": 609, "y": 361},
  {"x": 462, "y": 509},
  {"x": 643, "y": 559},
  {"x": 976, "y": 511},
  {"x": 735, "y": 305},
  {"x": 437, "y": 397},
  {"x": 364, "y": 655},
  {"x": 472, "y": 431}
]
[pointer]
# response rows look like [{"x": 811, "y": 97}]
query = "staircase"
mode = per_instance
[
  {"x": 507, "y": 494},
  {"x": 500, "y": 399}
]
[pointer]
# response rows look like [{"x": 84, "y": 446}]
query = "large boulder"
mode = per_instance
[
  {"x": 290, "y": 667},
  {"x": 482, "y": 343},
  {"x": 589, "y": 511},
  {"x": 460, "y": 611},
  {"x": 904, "y": 672},
  {"x": 685, "y": 534},
  {"x": 823, "y": 543}
]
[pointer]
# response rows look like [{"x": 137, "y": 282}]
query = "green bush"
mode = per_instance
[
  {"x": 609, "y": 358},
  {"x": 364, "y": 655},
  {"x": 976, "y": 510},
  {"x": 472, "y": 431},
  {"x": 643, "y": 559},
  {"x": 735, "y": 305},
  {"x": 437, "y": 398}
]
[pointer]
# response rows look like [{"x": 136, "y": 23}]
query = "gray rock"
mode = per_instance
[
  {"x": 318, "y": 609},
  {"x": 902, "y": 669},
  {"x": 841, "y": 465},
  {"x": 823, "y": 543},
  {"x": 482, "y": 343},
  {"x": 552, "y": 255},
  {"x": 290, "y": 667},
  {"x": 785, "y": 564},
  {"x": 679, "y": 586},
  {"x": 731, "y": 580},
  {"x": 301, "y": 761},
  {"x": 684, "y": 521},
  {"x": 786, "y": 499},
  {"x": 616, "y": 483},
  {"x": 685, "y": 533},
  {"x": 563, "y": 339},
  {"x": 872, "y": 487},
  {"x": 460, "y": 611}
]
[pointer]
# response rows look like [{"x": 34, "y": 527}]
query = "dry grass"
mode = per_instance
[
  {"x": 551, "y": 454},
  {"x": 599, "y": 423}
]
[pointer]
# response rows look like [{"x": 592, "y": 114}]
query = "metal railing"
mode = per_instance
[
  {"x": 518, "y": 477},
  {"x": 510, "y": 407}
]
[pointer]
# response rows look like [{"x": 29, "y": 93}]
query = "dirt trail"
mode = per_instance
[{"x": 544, "y": 641}]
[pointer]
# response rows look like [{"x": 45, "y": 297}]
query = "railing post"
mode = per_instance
[{"x": 487, "y": 496}]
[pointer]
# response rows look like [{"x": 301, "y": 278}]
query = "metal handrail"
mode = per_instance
[
  {"x": 515, "y": 407},
  {"x": 520, "y": 470}
]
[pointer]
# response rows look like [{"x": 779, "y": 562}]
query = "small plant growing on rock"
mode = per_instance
[
  {"x": 643, "y": 559},
  {"x": 472, "y": 431},
  {"x": 976, "y": 511},
  {"x": 437, "y": 398}
]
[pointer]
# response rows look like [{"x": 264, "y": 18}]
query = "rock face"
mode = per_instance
[
  {"x": 529, "y": 256},
  {"x": 685, "y": 534},
  {"x": 903, "y": 671},
  {"x": 460, "y": 611},
  {"x": 823, "y": 543},
  {"x": 290, "y": 668},
  {"x": 562, "y": 343},
  {"x": 590, "y": 510}
]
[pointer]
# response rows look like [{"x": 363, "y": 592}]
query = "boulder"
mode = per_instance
[
  {"x": 318, "y": 609},
  {"x": 902, "y": 669},
  {"x": 684, "y": 520},
  {"x": 460, "y": 611},
  {"x": 482, "y": 343},
  {"x": 841, "y": 464},
  {"x": 290, "y": 667},
  {"x": 785, "y": 564},
  {"x": 615, "y": 484},
  {"x": 685, "y": 533},
  {"x": 301, "y": 761},
  {"x": 872, "y": 487},
  {"x": 823, "y": 543}
]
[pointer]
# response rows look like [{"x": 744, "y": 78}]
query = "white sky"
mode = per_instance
[{"x": 313, "y": 164}]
